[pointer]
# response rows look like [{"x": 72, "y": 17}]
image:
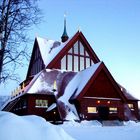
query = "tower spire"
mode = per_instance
[{"x": 64, "y": 36}]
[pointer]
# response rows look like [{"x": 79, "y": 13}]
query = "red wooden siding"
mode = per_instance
[
  {"x": 31, "y": 108},
  {"x": 84, "y": 103},
  {"x": 100, "y": 92},
  {"x": 102, "y": 87},
  {"x": 50, "y": 116}
]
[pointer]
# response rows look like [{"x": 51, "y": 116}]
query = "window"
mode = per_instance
[
  {"x": 81, "y": 49},
  {"x": 70, "y": 51},
  {"x": 92, "y": 109},
  {"x": 92, "y": 62},
  {"x": 131, "y": 106},
  {"x": 113, "y": 110},
  {"x": 76, "y": 59},
  {"x": 70, "y": 62},
  {"x": 81, "y": 63},
  {"x": 76, "y": 48},
  {"x": 87, "y": 62},
  {"x": 87, "y": 54},
  {"x": 76, "y": 63},
  {"x": 63, "y": 63},
  {"x": 41, "y": 103}
]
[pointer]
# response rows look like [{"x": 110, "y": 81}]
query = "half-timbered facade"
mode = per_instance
[{"x": 66, "y": 80}]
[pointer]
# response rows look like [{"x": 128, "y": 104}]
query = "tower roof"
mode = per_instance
[{"x": 64, "y": 36}]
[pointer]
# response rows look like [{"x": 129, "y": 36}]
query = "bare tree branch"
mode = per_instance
[{"x": 16, "y": 18}]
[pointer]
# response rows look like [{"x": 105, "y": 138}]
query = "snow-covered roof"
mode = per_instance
[
  {"x": 44, "y": 81},
  {"x": 67, "y": 83},
  {"x": 47, "y": 50},
  {"x": 40, "y": 83},
  {"x": 127, "y": 94},
  {"x": 77, "y": 84},
  {"x": 51, "y": 107}
]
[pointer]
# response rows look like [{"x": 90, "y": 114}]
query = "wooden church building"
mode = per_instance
[{"x": 67, "y": 81}]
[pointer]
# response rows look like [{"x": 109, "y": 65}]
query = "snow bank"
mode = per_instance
[
  {"x": 13, "y": 127},
  {"x": 90, "y": 130}
]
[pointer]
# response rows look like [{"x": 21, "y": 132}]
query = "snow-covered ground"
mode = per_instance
[
  {"x": 13, "y": 127},
  {"x": 95, "y": 131}
]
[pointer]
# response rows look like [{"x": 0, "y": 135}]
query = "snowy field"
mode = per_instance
[{"x": 13, "y": 127}]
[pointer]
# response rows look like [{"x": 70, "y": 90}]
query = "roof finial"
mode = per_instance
[
  {"x": 64, "y": 36},
  {"x": 79, "y": 29}
]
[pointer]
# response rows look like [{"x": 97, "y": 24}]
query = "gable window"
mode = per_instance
[
  {"x": 77, "y": 58},
  {"x": 63, "y": 63},
  {"x": 92, "y": 109},
  {"x": 86, "y": 53},
  {"x": 41, "y": 103},
  {"x": 76, "y": 64},
  {"x": 87, "y": 62},
  {"x": 113, "y": 110},
  {"x": 69, "y": 62},
  {"x": 76, "y": 48},
  {"x": 82, "y": 66},
  {"x": 81, "y": 49}
]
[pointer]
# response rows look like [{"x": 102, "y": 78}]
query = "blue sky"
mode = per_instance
[{"x": 112, "y": 28}]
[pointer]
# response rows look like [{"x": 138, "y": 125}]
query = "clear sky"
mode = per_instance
[{"x": 112, "y": 28}]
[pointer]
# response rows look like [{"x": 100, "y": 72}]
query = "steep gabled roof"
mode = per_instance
[
  {"x": 48, "y": 50},
  {"x": 77, "y": 84},
  {"x": 69, "y": 44},
  {"x": 51, "y": 51}
]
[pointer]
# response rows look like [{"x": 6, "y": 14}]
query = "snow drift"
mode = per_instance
[{"x": 13, "y": 127}]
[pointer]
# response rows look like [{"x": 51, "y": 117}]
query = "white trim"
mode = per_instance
[{"x": 102, "y": 98}]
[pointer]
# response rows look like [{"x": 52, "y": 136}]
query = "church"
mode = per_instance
[{"x": 67, "y": 81}]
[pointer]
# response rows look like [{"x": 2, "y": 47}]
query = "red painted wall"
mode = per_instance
[
  {"x": 42, "y": 111},
  {"x": 84, "y": 103},
  {"x": 102, "y": 87}
]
